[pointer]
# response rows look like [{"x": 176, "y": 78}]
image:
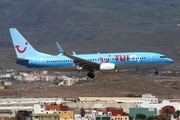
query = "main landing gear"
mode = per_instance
[
  {"x": 91, "y": 74},
  {"x": 156, "y": 72}
]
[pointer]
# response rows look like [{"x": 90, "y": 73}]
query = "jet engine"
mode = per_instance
[{"x": 107, "y": 67}]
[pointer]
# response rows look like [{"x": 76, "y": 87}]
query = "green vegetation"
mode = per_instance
[
  {"x": 159, "y": 117},
  {"x": 140, "y": 117},
  {"x": 20, "y": 117}
]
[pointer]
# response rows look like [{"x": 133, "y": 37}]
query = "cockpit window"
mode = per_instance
[{"x": 162, "y": 56}]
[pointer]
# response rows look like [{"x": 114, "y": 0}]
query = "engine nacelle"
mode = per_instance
[
  {"x": 79, "y": 68},
  {"x": 107, "y": 67}
]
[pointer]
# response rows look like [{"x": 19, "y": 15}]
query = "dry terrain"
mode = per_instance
[{"x": 111, "y": 85}]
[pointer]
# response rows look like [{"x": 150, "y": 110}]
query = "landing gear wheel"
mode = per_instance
[
  {"x": 91, "y": 74},
  {"x": 156, "y": 72}
]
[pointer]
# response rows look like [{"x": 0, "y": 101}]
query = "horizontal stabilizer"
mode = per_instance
[{"x": 15, "y": 58}]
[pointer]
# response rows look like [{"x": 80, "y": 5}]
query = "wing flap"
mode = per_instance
[{"x": 85, "y": 64}]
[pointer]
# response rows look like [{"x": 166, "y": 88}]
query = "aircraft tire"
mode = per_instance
[
  {"x": 156, "y": 72},
  {"x": 91, "y": 75}
]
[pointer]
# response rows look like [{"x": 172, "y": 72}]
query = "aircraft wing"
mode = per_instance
[{"x": 85, "y": 64}]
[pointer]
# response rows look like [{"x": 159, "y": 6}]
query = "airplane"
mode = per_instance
[{"x": 27, "y": 56}]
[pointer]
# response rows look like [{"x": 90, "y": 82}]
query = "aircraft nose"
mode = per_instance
[{"x": 169, "y": 60}]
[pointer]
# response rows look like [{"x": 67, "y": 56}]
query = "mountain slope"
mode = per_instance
[{"x": 94, "y": 25}]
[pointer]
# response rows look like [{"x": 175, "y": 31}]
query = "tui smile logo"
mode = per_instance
[
  {"x": 21, "y": 51},
  {"x": 106, "y": 60}
]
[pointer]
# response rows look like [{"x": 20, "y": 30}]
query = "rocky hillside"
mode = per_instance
[{"x": 88, "y": 26}]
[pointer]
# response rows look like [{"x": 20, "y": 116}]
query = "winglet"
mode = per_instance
[
  {"x": 60, "y": 48},
  {"x": 73, "y": 53}
]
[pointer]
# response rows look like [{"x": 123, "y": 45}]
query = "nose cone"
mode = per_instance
[{"x": 169, "y": 60}]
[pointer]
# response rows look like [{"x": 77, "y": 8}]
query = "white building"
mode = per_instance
[
  {"x": 40, "y": 109},
  {"x": 15, "y": 104},
  {"x": 152, "y": 102},
  {"x": 7, "y": 83}
]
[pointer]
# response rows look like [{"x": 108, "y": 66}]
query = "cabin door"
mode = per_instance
[{"x": 152, "y": 58}]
